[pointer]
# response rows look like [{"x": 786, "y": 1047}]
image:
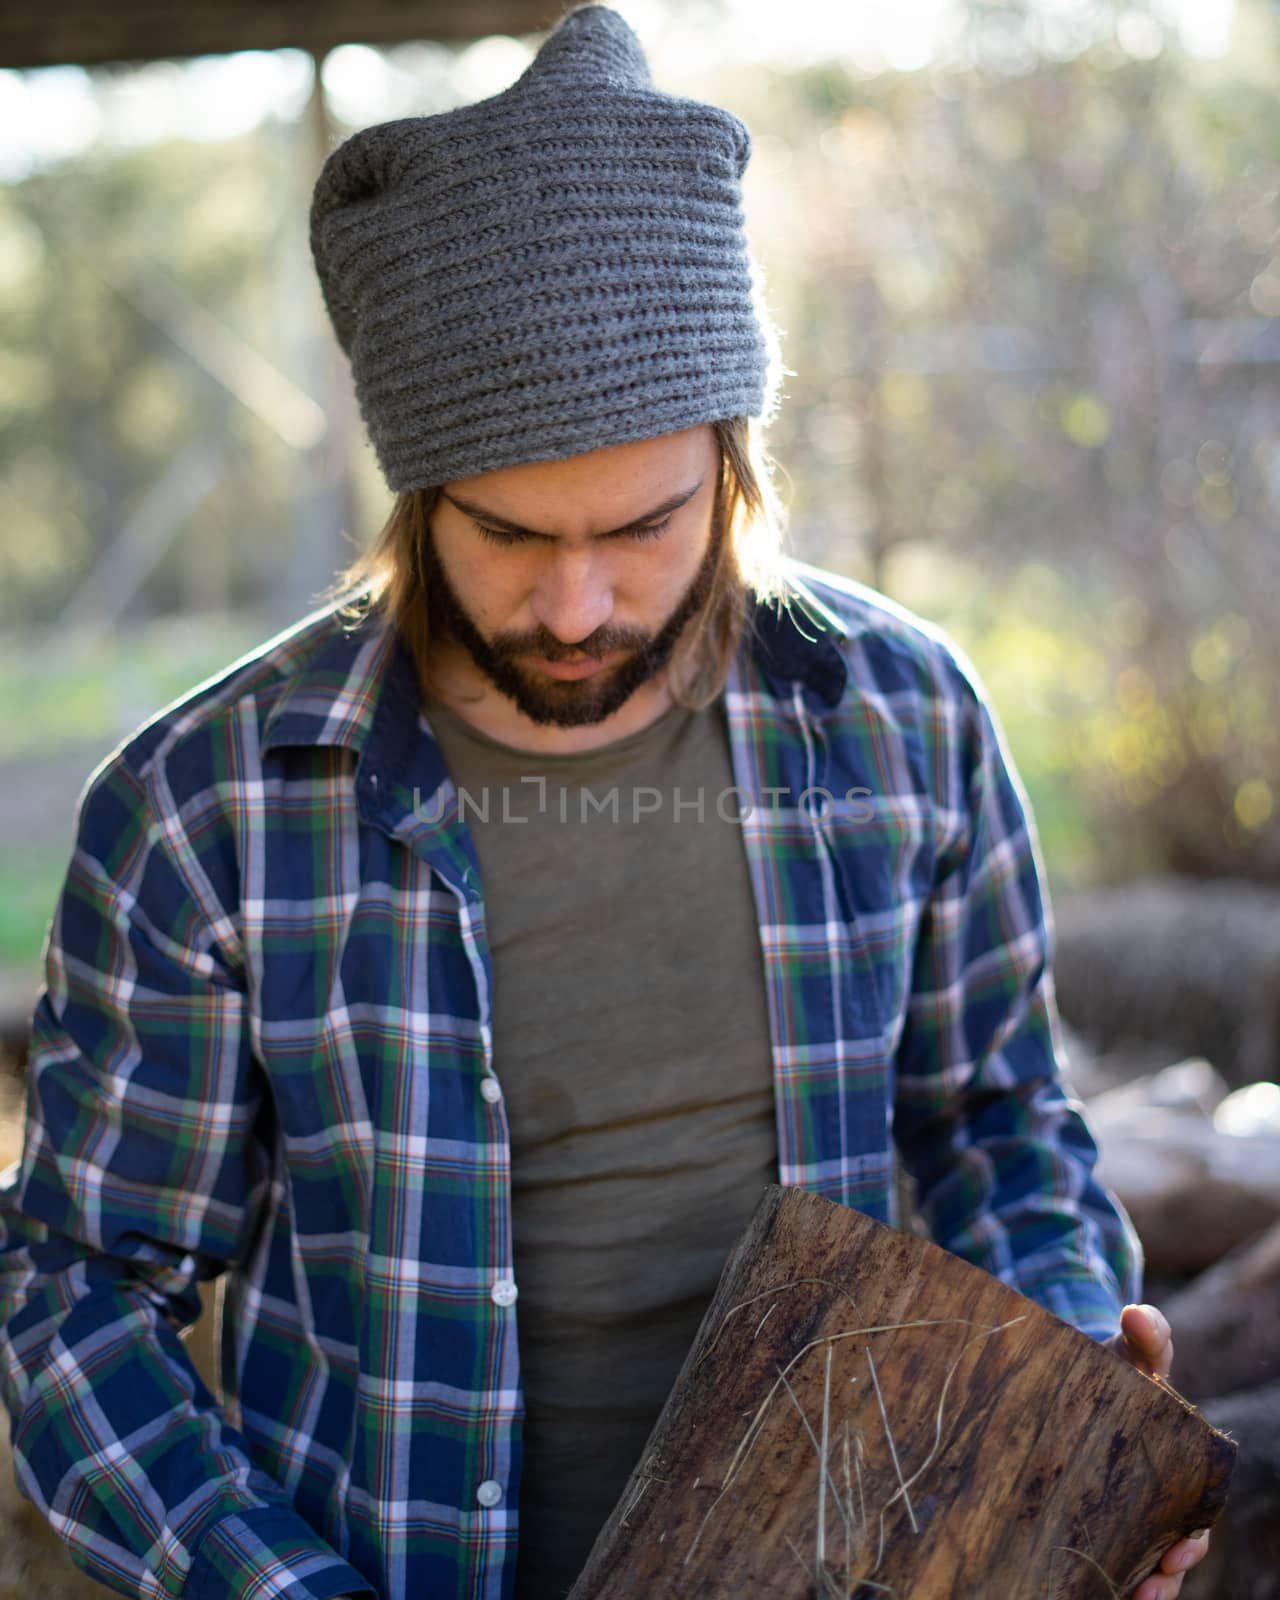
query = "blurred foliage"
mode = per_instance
[
  {"x": 73, "y": 707},
  {"x": 1029, "y": 307},
  {"x": 29, "y": 886},
  {"x": 90, "y": 697},
  {"x": 95, "y": 397},
  {"x": 1035, "y": 394}
]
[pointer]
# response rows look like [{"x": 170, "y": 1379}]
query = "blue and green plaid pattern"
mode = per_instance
[{"x": 261, "y": 1044}]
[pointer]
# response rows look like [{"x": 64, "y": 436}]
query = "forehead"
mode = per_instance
[{"x": 598, "y": 488}]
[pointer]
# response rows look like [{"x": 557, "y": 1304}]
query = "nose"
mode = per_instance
[{"x": 573, "y": 596}]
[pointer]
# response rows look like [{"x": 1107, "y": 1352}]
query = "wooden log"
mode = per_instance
[
  {"x": 1193, "y": 1192},
  {"x": 1244, "y": 1553},
  {"x": 1190, "y": 964},
  {"x": 1224, "y": 1322},
  {"x": 863, "y": 1414},
  {"x": 1194, "y": 1086}
]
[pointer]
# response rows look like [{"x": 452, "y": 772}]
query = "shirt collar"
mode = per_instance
[
  {"x": 334, "y": 692},
  {"x": 795, "y": 640}
]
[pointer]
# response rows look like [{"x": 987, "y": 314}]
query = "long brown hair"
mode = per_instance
[{"x": 391, "y": 576}]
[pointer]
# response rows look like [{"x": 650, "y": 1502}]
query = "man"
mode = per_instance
[{"x": 453, "y": 972}]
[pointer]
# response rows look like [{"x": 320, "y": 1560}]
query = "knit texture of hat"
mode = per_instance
[{"x": 556, "y": 268}]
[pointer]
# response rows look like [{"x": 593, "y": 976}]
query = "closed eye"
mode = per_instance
[{"x": 653, "y": 530}]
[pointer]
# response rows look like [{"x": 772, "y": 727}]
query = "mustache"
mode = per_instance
[{"x": 542, "y": 642}]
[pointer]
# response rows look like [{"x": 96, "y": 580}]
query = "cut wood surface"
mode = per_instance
[{"x": 863, "y": 1414}]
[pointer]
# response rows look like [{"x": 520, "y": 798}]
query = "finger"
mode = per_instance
[
  {"x": 1158, "y": 1589},
  {"x": 1186, "y": 1553},
  {"x": 1146, "y": 1330},
  {"x": 1145, "y": 1326},
  {"x": 1137, "y": 1338}
]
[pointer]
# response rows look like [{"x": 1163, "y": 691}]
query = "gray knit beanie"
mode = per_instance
[{"x": 556, "y": 268}]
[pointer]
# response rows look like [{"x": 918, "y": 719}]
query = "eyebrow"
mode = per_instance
[{"x": 505, "y": 525}]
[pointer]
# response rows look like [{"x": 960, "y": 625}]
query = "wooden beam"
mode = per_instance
[{"x": 88, "y": 32}]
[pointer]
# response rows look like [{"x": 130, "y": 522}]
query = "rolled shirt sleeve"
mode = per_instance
[
  {"x": 1002, "y": 1155},
  {"x": 144, "y": 1166}
]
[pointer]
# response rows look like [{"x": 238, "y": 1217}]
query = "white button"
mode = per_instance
[
  {"x": 489, "y": 1492},
  {"x": 504, "y": 1292},
  {"x": 491, "y": 1089}
]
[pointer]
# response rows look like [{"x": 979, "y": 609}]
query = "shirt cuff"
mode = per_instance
[
  {"x": 1083, "y": 1302},
  {"x": 269, "y": 1553}
]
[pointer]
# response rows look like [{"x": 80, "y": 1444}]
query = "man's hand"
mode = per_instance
[{"x": 1145, "y": 1339}]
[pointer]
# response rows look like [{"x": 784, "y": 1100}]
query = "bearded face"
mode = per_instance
[{"x": 568, "y": 625}]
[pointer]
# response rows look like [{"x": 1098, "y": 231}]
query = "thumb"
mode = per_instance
[{"x": 1147, "y": 1332}]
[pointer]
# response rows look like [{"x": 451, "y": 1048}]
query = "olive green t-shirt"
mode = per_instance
[{"x": 631, "y": 1041}]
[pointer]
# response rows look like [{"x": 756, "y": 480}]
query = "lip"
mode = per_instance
[{"x": 569, "y": 671}]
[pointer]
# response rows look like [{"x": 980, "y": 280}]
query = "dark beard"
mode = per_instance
[{"x": 549, "y": 701}]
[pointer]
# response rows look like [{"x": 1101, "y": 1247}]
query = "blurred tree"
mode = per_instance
[
  {"x": 136, "y": 295},
  {"x": 1036, "y": 394}
]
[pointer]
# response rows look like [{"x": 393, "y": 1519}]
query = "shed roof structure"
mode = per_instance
[{"x": 90, "y": 33}]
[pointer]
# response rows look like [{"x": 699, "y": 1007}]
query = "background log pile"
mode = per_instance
[{"x": 1171, "y": 995}]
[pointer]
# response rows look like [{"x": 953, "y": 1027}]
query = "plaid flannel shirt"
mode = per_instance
[{"x": 261, "y": 1046}]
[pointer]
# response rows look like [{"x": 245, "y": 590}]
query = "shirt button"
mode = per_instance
[
  {"x": 503, "y": 1292},
  {"x": 491, "y": 1089},
  {"x": 489, "y": 1492}
]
